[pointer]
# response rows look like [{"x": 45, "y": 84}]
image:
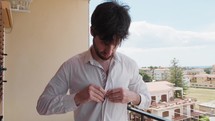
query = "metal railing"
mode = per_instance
[{"x": 144, "y": 115}]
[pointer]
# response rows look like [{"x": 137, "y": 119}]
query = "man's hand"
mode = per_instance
[
  {"x": 90, "y": 93},
  {"x": 120, "y": 95}
]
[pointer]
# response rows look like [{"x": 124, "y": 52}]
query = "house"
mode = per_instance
[{"x": 165, "y": 105}]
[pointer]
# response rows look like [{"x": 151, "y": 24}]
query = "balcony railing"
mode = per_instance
[{"x": 144, "y": 116}]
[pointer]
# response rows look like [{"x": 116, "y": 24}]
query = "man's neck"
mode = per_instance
[
  {"x": 97, "y": 58},
  {"x": 104, "y": 63}
]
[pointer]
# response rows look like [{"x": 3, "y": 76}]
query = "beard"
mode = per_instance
[{"x": 101, "y": 54}]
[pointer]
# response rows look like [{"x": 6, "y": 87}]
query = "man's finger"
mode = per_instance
[
  {"x": 117, "y": 91},
  {"x": 100, "y": 89},
  {"x": 97, "y": 94}
]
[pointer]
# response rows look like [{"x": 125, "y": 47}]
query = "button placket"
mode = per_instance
[{"x": 109, "y": 78}]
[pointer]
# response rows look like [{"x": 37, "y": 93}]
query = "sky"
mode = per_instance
[{"x": 162, "y": 30}]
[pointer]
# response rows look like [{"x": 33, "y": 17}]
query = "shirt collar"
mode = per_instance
[{"x": 89, "y": 58}]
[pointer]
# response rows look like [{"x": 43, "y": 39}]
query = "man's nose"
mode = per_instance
[{"x": 109, "y": 48}]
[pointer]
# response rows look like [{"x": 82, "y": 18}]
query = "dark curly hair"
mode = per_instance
[{"x": 110, "y": 20}]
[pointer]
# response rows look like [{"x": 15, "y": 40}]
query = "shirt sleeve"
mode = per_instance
[
  {"x": 54, "y": 99},
  {"x": 139, "y": 86}
]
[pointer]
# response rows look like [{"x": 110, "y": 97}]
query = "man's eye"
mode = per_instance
[{"x": 105, "y": 43}]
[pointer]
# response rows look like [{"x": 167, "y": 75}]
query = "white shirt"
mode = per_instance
[{"x": 81, "y": 70}]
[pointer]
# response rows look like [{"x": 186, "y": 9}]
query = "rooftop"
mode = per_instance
[
  {"x": 159, "y": 86},
  {"x": 210, "y": 104}
]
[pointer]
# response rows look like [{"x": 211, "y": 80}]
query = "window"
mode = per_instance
[
  {"x": 177, "y": 112},
  {"x": 165, "y": 114}
]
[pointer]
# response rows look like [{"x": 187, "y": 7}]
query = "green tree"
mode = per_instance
[
  {"x": 145, "y": 76},
  {"x": 207, "y": 70},
  {"x": 176, "y": 76}
]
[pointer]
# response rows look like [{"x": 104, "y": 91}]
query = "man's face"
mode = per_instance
[{"x": 103, "y": 50}]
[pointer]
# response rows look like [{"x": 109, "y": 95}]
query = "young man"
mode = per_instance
[{"x": 101, "y": 81}]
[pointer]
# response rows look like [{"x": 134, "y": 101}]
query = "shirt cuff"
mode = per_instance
[{"x": 144, "y": 102}]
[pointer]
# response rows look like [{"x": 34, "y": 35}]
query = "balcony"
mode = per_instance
[{"x": 139, "y": 115}]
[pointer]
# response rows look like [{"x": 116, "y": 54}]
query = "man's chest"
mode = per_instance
[{"x": 116, "y": 77}]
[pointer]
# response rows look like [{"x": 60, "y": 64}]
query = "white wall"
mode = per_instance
[{"x": 39, "y": 43}]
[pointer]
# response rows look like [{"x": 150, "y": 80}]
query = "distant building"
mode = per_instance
[
  {"x": 203, "y": 81},
  {"x": 194, "y": 71},
  {"x": 198, "y": 78},
  {"x": 158, "y": 74},
  {"x": 161, "y": 74},
  {"x": 213, "y": 69}
]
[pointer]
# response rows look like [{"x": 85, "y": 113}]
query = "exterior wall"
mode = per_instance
[
  {"x": 213, "y": 82},
  {"x": 154, "y": 112},
  {"x": 201, "y": 79},
  {"x": 185, "y": 110},
  {"x": 38, "y": 44},
  {"x": 161, "y": 74},
  {"x": 158, "y": 96}
]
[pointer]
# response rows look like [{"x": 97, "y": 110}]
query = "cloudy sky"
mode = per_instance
[{"x": 165, "y": 29}]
